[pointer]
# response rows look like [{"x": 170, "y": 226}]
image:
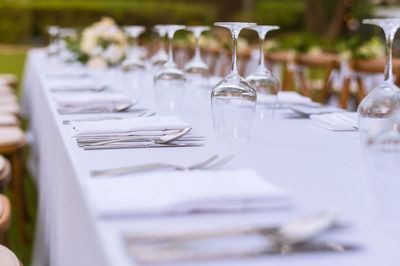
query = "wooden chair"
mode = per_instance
[
  {"x": 325, "y": 62},
  {"x": 12, "y": 143},
  {"x": 365, "y": 66},
  {"x": 8, "y": 258},
  {"x": 283, "y": 59},
  {"x": 5, "y": 218},
  {"x": 5, "y": 173},
  {"x": 9, "y": 80}
]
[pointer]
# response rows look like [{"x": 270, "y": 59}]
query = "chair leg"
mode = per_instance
[
  {"x": 361, "y": 91},
  {"x": 18, "y": 195},
  {"x": 344, "y": 95}
]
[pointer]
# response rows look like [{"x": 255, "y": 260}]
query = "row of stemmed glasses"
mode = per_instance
[
  {"x": 169, "y": 80},
  {"x": 233, "y": 99}
]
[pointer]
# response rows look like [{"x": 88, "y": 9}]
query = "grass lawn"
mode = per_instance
[{"x": 12, "y": 61}]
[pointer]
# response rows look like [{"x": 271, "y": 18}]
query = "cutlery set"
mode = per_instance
[
  {"x": 208, "y": 164},
  {"x": 297, "y": 236},
  {"x": 175, "y": 139}
]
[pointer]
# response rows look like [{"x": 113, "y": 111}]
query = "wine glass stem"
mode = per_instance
[
  {"x": 170, "y": 52},
  {"x": 197, "y": 49},
  {"x": 262, "y": 61},
  {"x": 388, "y": 66},
  {"x": 235, "y": 36}
]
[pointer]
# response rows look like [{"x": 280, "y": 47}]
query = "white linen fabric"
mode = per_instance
[
  {"x": 64, "y": 72},
  {"x": 88, "y": 100},
  {"x": 323, "y": 170},
  {"x": 68, "y": 84},
  {"x": 154, "y": 125},
  {"x": 185, "y": 192},
  {"x": 343, "y": 121}
]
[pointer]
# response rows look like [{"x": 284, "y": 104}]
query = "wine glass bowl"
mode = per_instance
[
  {"x": 233, "y": 99},
  {"x": 169, "y": 80},
  {"x": 384, "y": 100}
]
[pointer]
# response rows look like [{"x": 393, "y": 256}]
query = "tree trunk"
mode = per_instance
[
  {"x": 336, "y": 23},
  {"x": 314, "y": 16}
]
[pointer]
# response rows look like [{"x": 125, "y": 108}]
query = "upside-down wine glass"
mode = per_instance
[
  {"x": 233, "y": 100},
  {"x": 133, "y": 58},
  {"x": 161, "y": 57},
  {"x": 376, "y": 108},
  {"x": 169, "y": 80},
  {"x": 196, "y": 70},
  {"x": 53, "y": 48},
  {"x": 262, "y": 80}
]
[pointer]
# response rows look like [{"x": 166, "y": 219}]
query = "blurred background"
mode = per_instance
[{"x": 330, "y": 25}]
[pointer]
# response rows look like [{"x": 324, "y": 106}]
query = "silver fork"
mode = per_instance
[{"x": 154, "y": 166}]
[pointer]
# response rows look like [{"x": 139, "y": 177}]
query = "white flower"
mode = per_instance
[
  {"x": 114, "y": 54},
  {"x": 97, "y": 62}
]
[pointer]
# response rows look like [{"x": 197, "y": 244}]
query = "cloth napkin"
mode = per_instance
[
  {"x": 154, "y": 125},
  {"x": 343, "y": 121},
  {"x": 185, "y": 192},
  {"x": 283, "y": 97},
  {"x": 306, "y": 110},
  {"x": 91, "y": 100},
  {"x": 72, "y": 84}
]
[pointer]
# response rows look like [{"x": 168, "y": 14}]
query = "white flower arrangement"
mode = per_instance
[{"x": 101, "y": 44}]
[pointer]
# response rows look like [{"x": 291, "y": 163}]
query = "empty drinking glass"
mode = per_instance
[
  {"x": 262, "y": 80},
  {"x": 196, "y": 70},
  {"x": 161, "y": 57},
  {"x": 233, "y": 100},
  {"x": 169, "y": 80},
  {"x": 53, "y": 48},
  {"x": 133, "y": 57},
  {"x": 383, "y": 100}
]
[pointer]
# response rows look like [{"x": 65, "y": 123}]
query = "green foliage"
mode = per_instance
[
  {"x": 288, "y": 14},
  {"x": 25, "y": 21}
]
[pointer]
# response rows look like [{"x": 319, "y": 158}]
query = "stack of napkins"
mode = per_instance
[
  {"x": 186, "y": 192},
  {"x": 343, "y": 121},
  {"x": 92, "y": 100},
  {"x": 73, "y": 85},
  {"x": 139, "y": 126},
  {"x": 283, "y": 98}
]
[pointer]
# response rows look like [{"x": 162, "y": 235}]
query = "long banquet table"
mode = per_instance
[{"x": 323, "y": 169}]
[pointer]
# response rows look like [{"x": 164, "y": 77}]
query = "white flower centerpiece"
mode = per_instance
[{"x": 100, "y": 45}]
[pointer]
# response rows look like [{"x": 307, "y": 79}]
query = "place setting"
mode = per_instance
[
  {"x": 187, "y": 133},
  {"x": 135, "y": 132}
]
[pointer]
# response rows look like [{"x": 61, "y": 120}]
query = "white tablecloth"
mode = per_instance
[{"x": 323, "y": 169}]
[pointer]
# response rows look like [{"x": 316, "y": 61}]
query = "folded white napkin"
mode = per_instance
[
  {"x": 66, "y": 72},
  {"x": 283, "y": 97},
  {"x": 343, "y": 121},
  {"x": 72, "y": 84},
  {"x": 155, "y": 125},
  {"x": 185, "y": 192},
  {"x": 307, "y": 110},
  {"x": 92, "y": 100}
]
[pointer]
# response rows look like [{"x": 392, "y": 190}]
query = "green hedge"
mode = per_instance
[
  {"x": 25, "y": 21},
  {"x": 288, "y": 14}
]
